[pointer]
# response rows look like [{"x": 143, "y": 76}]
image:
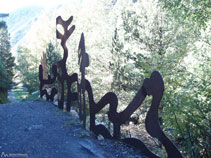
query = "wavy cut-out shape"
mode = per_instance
[{"x": 153, "y": 86}]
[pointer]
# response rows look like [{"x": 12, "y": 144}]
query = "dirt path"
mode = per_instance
[
  {"x": 12, "y": 97},
  {"x": 39, "y": 130}
]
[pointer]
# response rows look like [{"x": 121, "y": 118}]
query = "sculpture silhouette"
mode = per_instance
[
  {"x": 151, "y": 86},
  {"x": 62, "y": 63},
  {"x": 47, "y": 82},
  {"x": 83, "y": 61}
]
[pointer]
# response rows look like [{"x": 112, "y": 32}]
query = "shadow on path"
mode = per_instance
[{"x": 37, "y": 129}]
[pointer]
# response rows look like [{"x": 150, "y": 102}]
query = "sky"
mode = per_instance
[{"x": 7, "y": 6}]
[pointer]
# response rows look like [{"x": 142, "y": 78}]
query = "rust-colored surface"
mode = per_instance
[
  {"x": 44, "y": 66},
  {"x": 83, "y": 61},
  {"x": 64, "y": 77},
  {"x": 48, "y": 81},
  {"x": 153, "y": 86}
]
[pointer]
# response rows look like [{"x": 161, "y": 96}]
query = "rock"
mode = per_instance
[
  {"x": 74, "y": 114},
  {"x": 56, "y": 97},
  {"x": 37, "y": 126},
  {"x": 100, "y": 137},
  {"x": 91, "y": 149},
  {"x": 44, "y": 97},
  {"x": 48, "y": 90},
  {"x": 55, "y": 103},
  {"x": 33, "y": 127}
]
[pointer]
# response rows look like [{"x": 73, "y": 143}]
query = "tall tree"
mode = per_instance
[
  {"x": 27, "y": 69},
  {"x": 197, "y": 12},
  {"x": 7, "y": 60},
  {"x": 153, "y": 39},
  {"x": 52, "y": 57}
]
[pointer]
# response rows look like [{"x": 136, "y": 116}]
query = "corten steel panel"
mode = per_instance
[
  {"x": 47, "y": 82},
  {"x": 83, "y": 61},
  {"x": 153, "y": 86},
  {"x": 64, "y": 77}
]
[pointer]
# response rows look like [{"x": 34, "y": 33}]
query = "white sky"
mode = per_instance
[{"x": 6, "y": 6}]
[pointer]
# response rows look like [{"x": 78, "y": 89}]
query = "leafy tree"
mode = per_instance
[
  {"x": 4, "y": 83},
  {"x": 52, "y": 57},
  {"x": 28, "y": 66},
  {"x": 147, "y": 35},
  {"x": 27, "y": 69},
  {"x": 6, "y": 60},
  {"x": 197, "y": 12},
  {"x": 116, "y": 61},
  {"x": 149, "y": 39}
]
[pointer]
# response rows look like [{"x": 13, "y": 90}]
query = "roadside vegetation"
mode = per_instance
[
  {"x": 6, "y": 63},
  {"x": 126, "y": 41},
  {"x": 22, "y": 94}
]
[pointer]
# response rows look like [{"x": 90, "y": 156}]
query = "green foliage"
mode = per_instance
[
  {"x": 33, "y": 97},
  {"x": 4, "y": 82},
  {"x": 6, "y": 61},
  {"x": 188, "y": 112},
  {"x": 126, "y": 42},
  {"x": 3, "y": 98},
  {"x": 23, "y": 95},
  {"x": 52, "y": 57},
  {"x": 27, "y": 67},
  {"x": 148, "y": 39},
  {"x": 197, "y": 11},
  {"x": 84, "y": 133},
  {"x": 20, "y": 93}
]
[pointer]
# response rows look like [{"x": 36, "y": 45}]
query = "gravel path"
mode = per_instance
[
  {"x": 12, "y": 97},
  {"x": 40, "y": 130}
]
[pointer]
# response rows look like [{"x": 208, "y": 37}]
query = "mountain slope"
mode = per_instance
[{"x": 20, "y": 21}]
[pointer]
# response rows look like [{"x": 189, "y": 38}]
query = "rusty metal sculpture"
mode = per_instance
[
  {"x": 44, "y": 66},
  {"x": 47, "y": 82},
  {"x": 62, "y": 64},
  {"x": 83, "y": 61},
  {"x": 151, "y": 86},
  {"x": 155, "y": 86}
]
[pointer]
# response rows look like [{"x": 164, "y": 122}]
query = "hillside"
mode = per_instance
[{"x": 20, "y": 21}]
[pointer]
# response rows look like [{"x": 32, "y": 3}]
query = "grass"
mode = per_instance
[
  {"x": 84, "y": 133},
  {"x": 3, "y": 98},
  {"x": 72, "y": 122},
  {"x": 34, "y": 97},
  {"x": 22, "y": 95}
]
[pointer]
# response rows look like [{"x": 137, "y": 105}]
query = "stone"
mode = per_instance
[{"x": 100, "y": 137}]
